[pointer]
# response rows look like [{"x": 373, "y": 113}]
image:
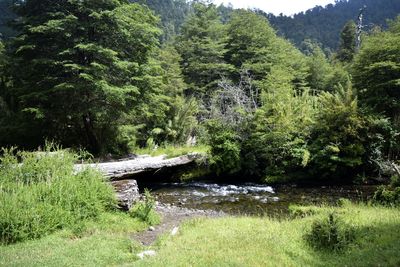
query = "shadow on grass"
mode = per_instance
[{"x": 375, "y": 246}]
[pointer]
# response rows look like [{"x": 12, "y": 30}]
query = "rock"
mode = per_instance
[
  {"x": 147, "y": 253},
  {"x": 127, "y": 192},
  {"x": 151, "y": 228},
  {"x": 174, "y": 231}
]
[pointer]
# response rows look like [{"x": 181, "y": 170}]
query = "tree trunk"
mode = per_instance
[{"x": 90, "y": 134}]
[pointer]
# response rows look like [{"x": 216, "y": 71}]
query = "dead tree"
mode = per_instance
[{"x": 235, "y": 103}]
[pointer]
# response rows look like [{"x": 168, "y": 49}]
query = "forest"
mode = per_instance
[
  {"x": 273, "y": 102},
  {"x": 103, "y": 78}
]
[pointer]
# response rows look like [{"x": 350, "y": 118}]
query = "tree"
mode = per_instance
[
  {"x": 201, "y": 45},
  {"x": 322, "y": 74},
  {"x": 324, "y": 24},
  {"x": 376, "y": 71},
  {"x": 347, "y": 47},
  {"x": 277, "y": 146},
  {"x": 78, "y": 66},
  {"x": 339, "y": 138},
  {"x": 253, "y": 46},
  {"x": 166, "y": 115},
  {"x": 172, "y": 14},
  {"x": 251, "y": 43},
  {"x": 3, "y": 105}
]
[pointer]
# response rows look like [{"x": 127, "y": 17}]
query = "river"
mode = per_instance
[{"x": 250, "y": 198}]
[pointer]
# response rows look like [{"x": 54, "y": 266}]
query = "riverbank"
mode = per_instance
[
  {"x": 226, "y": 241},
  {"x": 251, "y": 241}
]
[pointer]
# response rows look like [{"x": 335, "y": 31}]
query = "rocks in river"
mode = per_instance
[{"x": 127, "y": 192}]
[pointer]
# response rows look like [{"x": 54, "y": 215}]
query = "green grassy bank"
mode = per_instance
[
  {"x": 269, "y": 242},
  {"x": 104, "y": 242},
  {"x": 227, "y": 241}
]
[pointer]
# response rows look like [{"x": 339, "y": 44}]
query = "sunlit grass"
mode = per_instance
[
  {"x": 104, "y": 242},
  {"x": 229, "y": 241},
  {"x": 268, "y": 242}
]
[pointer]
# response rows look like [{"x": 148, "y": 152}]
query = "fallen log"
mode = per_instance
[
  {"x": 122, "y": 173},
  {"x": 129, "y": 168}
]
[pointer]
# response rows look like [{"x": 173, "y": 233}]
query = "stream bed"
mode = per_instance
[{"x": 250, "y": 198}]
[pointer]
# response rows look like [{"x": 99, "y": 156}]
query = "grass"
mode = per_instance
[
  {"x": 269, "y": 242},
  {"x": 55, "y": 217},
  {"x": 104, "y": 242},
  {"x": 172, "y": 151},
  {"x": 229, "y": 241},
  {"x": 41, "y": 193}
]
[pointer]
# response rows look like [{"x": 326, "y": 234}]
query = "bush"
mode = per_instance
[
  {"x": 41, "y": 193},
  {"x": 144, "y": 210},
  {"x": 387, "y": 196},
  {"x": 225, "y": 148},
  {"x": 330, "y": 234},
  {"x": 301, "y": 211}
]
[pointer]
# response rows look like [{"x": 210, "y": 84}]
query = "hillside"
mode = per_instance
[{"x": 323, "y": 24}]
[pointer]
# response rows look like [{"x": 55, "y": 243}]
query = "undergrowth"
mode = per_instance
[
  {"x": 144, "y": 210},
  {"x": 330, "y": 233},
  {"x": 41, "y": 193}
]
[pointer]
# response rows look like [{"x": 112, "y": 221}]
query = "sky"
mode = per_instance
[{"x": 287, "y": 7}]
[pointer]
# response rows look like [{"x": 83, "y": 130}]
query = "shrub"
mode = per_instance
[
  {"x": 301, "y": 211},
  {"x": 144, "y": 210},
  {"x": 387, "y": 196},
  {"x": 42, "y": 193},
  {"x": 330, "y": 234},
  {"x": 225, "y": 148}
]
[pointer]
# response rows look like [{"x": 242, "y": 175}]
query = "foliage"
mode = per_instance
[
  {"x": 251, "y": 43},
  {"x": 253, "y": 46},
  {"x": 387, "y": 196},
  {"x": 42, "y": 194},
  {"x": 201, "y": 44},
  {"x": 339, "y": 136},
  {"x": 172, "y": 14},
  {"x": 278, "y": 143},
  {"x": 6, "y": 16},
  {"x": 224, "y": 148},
  {"x": 165, "y": 115},
  {"x": 322, "y": 74},
  {"x": 376, "y": 71},
  {"x": 74, "y": 80},
  {"x": 302, "y": 211},
  {"x": 173, "y": 151},
  {"x": 144, "y": 210},
  {"x": 330, "y": 234},
  {"x": 94, "y": 75},
  {"x": 347, "y": 46},
  {"x": 323, "y": 24}
]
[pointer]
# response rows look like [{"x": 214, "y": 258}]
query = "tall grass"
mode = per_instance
[{"x": 41, "y": 193}]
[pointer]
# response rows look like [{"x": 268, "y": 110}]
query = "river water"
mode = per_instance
[{"x": 252, "y": 199}]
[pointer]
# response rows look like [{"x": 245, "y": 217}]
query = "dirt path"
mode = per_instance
[{"x": 172, "y": 217}]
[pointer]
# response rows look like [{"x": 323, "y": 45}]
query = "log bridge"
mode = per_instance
[{"x": 122, "y": 173}]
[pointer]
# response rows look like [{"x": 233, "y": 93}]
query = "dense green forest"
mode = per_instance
[
  {"x": 320, "y": 24},
  {"x": 104, "y": 76}
]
